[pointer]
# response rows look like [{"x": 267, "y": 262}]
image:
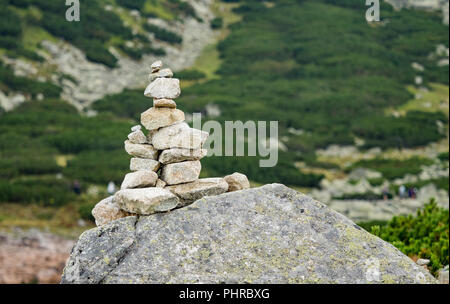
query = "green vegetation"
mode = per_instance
[
  {"x": 440, "y": 183},
  {"x": 36, "y": 133},
  {"x": 93, "y": 35},
  {"x": 367, "y": 196},
  {"x": 163, "y": 34},
  {"x": 318, "y": 66},
  {"x": 190, "y": 75},
  {"x": 394, "y": 168},
  {"x": 217, "y": 23},
  {"x": 9, "y": 82},
  {"x": 423, "y": 236}
]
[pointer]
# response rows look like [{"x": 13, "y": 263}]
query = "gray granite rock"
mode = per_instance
[
  {"x": 137, "y": 137},
  {"x": 155, "y": 118},
  {"x": 137, "y": 164},
  {"x": 179, "y": 135},
  {"x": 270, "y": 234},
  {"x": 141, "y": 150},
  {"x": 163, "y": 88},
  {"x": 178, "y": 155},
  {"x": 139, "y": 179},
  {"x": 164, "y": 73},
  {"x": 145, "y": 201},
  {"x": 179, "y": 173},
  {"x": 193, "y": 191}
]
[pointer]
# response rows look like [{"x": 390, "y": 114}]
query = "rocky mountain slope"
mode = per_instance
[
  {"x": 438, "y": 5},
  {"x": 270, "y": 234},
  {"x": 85, "y": 81}
]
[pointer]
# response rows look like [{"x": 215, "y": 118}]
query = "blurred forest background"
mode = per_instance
[{"x": 362, "y": 107}]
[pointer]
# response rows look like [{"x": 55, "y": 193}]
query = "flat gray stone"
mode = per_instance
[
  {"x": 163, "y": 88},
  {"x": 164, "y": 73},
  {"x": 271, "y": 234},
  {"x": 137, "y": 164},
  {"x": 193, "y": 191},
  {"x": 141, "y": 150},
  {"x": 179, "y": 135},
  {"x": 183, "y": 172},
  {"x": 155, "y": 118},
  {"x": 145, "y": 201},
  {"x": 178, "y": 155},
  {"x": 137, "y": 137},
  {"x": 139, "y": 179}
]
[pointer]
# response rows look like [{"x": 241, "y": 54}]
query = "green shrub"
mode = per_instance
[
  {"x": 217, "y": 23},
  {"x": 85, "y": 211},
  {"x": 424, "y": 235},
  {"x": 163, "y": 34},
  {"x": 190, "y": 74},
  {"x": 48, "y": 192},
  {"x": 393, "y": 168}
]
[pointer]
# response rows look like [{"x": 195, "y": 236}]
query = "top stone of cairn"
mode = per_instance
[{"x": 156, "y": 66}]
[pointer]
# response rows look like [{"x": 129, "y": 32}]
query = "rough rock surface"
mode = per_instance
[
  {"x": 178, "y": 136},
  {"x": 137, "y": 164},
  {"x": 270, "y": 234},
  {"x": 167, "y": 73},
  {"x": 139, "y": 179},
  {"x": 137, "y": 137},
  {"x": 107, "y": 210},
  {"x": 164, "y": 88},
  {"x": 183, "y": 172},
  {"x": 178, "y": 155},
  {"x": 155, "y": 118},
  {"x": 191, "y": 192},
  {"x": 141, "y": 150},
  {"x": 237, "y": 181},
  {"x": 146, "y": 200},
  {"x": 164, "y": 103}
]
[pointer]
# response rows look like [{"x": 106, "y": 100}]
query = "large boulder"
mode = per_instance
[{"x": 270, "y": 234}]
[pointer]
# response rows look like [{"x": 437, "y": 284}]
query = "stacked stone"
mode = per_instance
[{"x": 165, "y": 164}]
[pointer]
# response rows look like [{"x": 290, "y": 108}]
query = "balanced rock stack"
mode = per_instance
[{"x": 165, "y": 163}]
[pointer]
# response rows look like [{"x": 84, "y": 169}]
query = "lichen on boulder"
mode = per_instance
[{"x": 270, "y": 234}]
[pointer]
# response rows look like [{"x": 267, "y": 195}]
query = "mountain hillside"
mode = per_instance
[{"x": 108, "y": 50}]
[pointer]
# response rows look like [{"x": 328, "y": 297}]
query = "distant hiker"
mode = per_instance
[
  {"x": 385, "y": 194},
  {"x": 111, "y": 188},
  {"x": 411, "y": 193},
  {"x": 76, "y": 187},
  {"x": 402, "y": 191}
]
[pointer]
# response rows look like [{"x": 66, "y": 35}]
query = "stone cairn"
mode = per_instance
[{"x": 165, "y": 163}]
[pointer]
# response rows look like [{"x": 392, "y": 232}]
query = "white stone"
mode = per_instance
[
  {"x": 156, "y": 66},
  {"x": 146, "y": 201},
  {"x": 178, "y": 155},
  {"x": 137, "y": 164},
  {"x": 137, "y": 137},
  {"x": 155, "y": 118},
  {"x": 237, "y": 181},
  {"x": 139, "y": 179},
  {"x": 141, "y": 150},
  {"x": 136, "y": 128},
  {"x": 163, "y": 88},
  {"x": 107, "y": 210},
  {"x": 164, "y": 73},
  {"x": 179, "y": 173},
  {"x": 179, "y": 136}
]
